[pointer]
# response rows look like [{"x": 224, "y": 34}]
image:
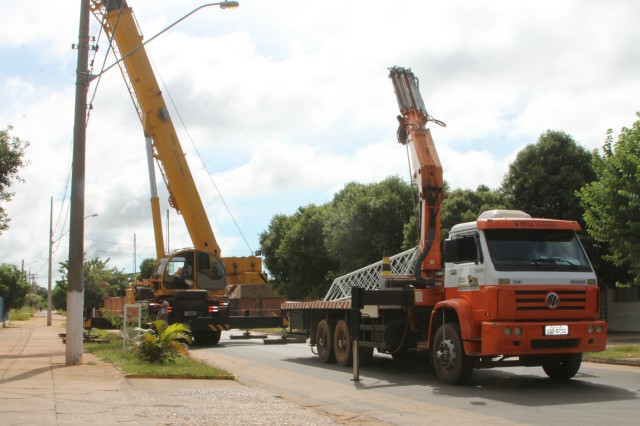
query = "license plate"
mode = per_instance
[
  {"x": 190, "y": 313},
  {"x": 556, "y": 330}
]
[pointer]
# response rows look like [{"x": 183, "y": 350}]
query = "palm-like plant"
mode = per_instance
[{"x": 162, "y": 343}]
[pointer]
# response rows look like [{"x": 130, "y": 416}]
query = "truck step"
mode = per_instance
[{"x": 285, "y": 340}]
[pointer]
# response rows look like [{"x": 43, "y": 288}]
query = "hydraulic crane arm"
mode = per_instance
[
  {"x": 120, "y": 25},
  {"x": 427, "y": 170}
]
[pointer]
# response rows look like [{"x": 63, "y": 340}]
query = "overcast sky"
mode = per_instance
[{"x": 286, "y": 101}]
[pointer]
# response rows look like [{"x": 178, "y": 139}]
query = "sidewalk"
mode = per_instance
[{"x": 36, "y": 387}]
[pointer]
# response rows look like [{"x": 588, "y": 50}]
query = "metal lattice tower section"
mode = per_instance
[{"x": 369, "y": 276}]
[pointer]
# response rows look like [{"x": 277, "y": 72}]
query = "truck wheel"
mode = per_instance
[
  {"x": 214, "y": 337},
  {"x": 452, "y": 365},
  {"x": 342, "y": 343},
  {"x": 206, "y": 338},
  {"x": 324, "y": 342},
  {"x": 562, "y": 367}
]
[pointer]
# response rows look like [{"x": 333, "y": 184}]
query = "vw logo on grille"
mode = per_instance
[{"x": 552, "y": 300}]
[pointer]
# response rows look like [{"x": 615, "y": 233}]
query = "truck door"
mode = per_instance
[{"x": 464, "y": 263}]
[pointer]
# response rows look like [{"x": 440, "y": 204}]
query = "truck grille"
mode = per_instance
[{"x": 536, "y": 300}]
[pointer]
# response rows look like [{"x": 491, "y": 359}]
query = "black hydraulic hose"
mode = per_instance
[{"x": 422, "y": 282}]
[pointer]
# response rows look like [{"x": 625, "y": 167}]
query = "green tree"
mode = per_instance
[
  {"x": 12, "y": 150},
  {"x": 146, "y": 268},
  {"x": 612, "y": 202},
  {"x": 365, "y": 221},
  {"x": 13, "y": 287},
  {"x": 544, "y": 178},
  {"x": 301, "y": 261},
  {"x": 465, "y": 205},
  {"x": 304, "y": 252},
  {"x": 59, "y": 292},
  {"x": 100, "y": 281},
  {"x": 270, "y": 243}
]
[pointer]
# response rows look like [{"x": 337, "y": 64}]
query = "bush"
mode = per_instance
[{"x": 162, "y": 343}]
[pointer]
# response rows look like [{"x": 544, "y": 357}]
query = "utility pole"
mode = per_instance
[
  {"x": 134, "y": 255},
  {"x": 50, "y": 264},
  {"x": 75, "y": 294}
]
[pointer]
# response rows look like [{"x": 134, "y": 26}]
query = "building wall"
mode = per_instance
[{"x": 622, "y": 315}]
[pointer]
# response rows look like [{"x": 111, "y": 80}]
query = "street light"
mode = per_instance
[
  {"x": 223, "y": 5},
  {"x": 75, "y": 293}
]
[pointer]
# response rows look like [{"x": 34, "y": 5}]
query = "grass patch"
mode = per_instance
[
  {"x": 617, "y": 351},
  {"x": 112, "y": 353},
  {"x": 23, "y": 314}
]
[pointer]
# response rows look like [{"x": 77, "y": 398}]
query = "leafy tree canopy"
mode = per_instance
[
  {"x": 296, "y": 255},
  {"x": 612, "y": 202},
  {"x": 304, "y": 252},
  {"x": 465, "y": 205},
  {"x": 544, "y": 178},
  {"x": 13, "y": 287},
  {"x": 146, "y": 268},
  {"x": 365, "y": 221},
  {"x": 12, "y": 151},
  {"x": 100, "y": 281}
]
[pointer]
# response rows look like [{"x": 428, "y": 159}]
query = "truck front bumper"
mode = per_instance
[{"x": 532, "y": 338}]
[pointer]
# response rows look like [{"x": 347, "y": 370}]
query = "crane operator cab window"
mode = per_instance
[
  {"x": 210, "y": 271},
  {"x": 194, "y": 270},
  {"x": 178, "y": 273}
]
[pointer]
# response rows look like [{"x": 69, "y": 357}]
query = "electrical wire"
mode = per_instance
[{"x": 90, "y": 107}]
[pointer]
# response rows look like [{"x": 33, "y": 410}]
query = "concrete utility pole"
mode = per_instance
[
  {"x": 75, "y": 294},
  {"x": 50, "y": 264}
]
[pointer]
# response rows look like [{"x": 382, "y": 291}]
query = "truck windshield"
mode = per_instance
[{"x": 535, "y": 250}]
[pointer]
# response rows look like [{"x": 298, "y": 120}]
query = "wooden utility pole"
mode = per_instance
[{"x": 75, "y": 293}]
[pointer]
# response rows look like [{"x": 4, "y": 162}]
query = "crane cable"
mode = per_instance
[
  {"x": 166, "y": 89},
  {"x": 226, "y": 206}
]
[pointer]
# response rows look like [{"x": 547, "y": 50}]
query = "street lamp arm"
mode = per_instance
[
  {"x": 68, "y": 230},
  {"x": 223, "y": 5}
]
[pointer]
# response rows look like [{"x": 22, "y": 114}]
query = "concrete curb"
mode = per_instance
[
  {"x": 635, "y": 362},
  {"x": 173, "y": 376}
]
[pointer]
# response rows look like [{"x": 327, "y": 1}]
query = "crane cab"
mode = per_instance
[{"x": 189, "y": 269}]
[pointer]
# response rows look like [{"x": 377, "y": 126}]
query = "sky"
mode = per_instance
[{"x": 279, "y": 104}]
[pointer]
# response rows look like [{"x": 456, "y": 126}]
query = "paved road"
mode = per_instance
[{"x": 392, "y": 394}]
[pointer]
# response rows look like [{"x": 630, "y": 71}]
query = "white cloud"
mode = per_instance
[{"x": 287, "y": 101}]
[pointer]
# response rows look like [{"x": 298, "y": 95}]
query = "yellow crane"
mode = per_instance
[{"x": 194, "y": 280}]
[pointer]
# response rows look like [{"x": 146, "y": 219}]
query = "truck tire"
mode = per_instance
[
  {"x": 562, "y": 367},
  {"x": 342, "y": 343},
  {"x": 452, "y": 365},
  {"x": 324, "y": 342},
  {"x": 214, "y": 337},
  {"x": 206, "y": 338}
]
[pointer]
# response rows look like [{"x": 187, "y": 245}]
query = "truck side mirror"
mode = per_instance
[{"x": 450, "y": 250}]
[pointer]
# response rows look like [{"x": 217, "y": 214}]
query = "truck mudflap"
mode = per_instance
[{"x": 531, "y": 338}]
